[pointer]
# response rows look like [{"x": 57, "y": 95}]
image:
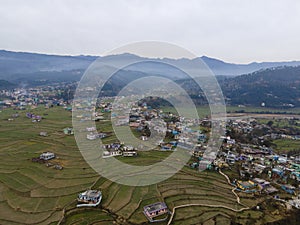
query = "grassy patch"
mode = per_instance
[{"x": 285, "y": 145}]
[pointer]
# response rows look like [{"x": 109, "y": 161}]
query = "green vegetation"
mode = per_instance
[
  {"x": 89, "y": 216},
  {"x": 205, "y": 110},
  {"x": 260, "y": 110},
  {"x": 276, "y": 87},
  {"x": 281, "y": 123},
  {"x": 286, "y": 145},
  {"x": 146, "y": 157},
  {"x": 32, "y": 193}
]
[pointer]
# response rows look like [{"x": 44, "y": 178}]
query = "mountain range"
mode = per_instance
[
  {"x": 274, "y": 87},
  {"x": 16, "y": 66},
  {"x": 275, "y": 84}
]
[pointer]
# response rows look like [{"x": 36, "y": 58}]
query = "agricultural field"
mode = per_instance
[
  {"x": 247, "y": 109},
  {"x": 205, "y": 110},
  {"x": 32, "y": 193},
  {"x": 286, "y": 145},
  {"x": 281, "y": 122},
  {"x": 290, "y": 124}
]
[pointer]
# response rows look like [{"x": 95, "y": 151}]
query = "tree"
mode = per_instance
[{"x": 270, "y": 123}]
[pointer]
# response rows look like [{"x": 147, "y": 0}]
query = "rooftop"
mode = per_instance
[{"x": 155, "y": 207}]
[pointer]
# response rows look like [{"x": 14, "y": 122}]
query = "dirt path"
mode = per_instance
[
  {"x": 233, "y": 190},
  {"x": 211, "y": 206}
]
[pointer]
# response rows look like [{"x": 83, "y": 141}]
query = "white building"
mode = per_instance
[
  {"x": 91, "y": 136},
  {"x": 89, "y": 198},
  {"x": 47, "y": 155},
  {"x": 91, "y": 129}
]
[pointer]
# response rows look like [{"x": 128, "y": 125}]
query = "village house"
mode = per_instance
[
  {"x": 166, "y": 147},
  {"x": 58, "y": 167},
  {"x": 101, "y": 135},
  {"x": 113, "y": 146},
  {"x": 91, "y": 136},
  {"x": 112, "y": 153},
  {"x": 297, "y": 159},
  {"x": 295, "y": 175},
  {"x": 121, "y": 122},
  {"x": 47, "y": 155},
  {"x": 68, "y": 131},
  {"x": 246, "y": 186},
  {"x": 289, "y": 189},
  {"x": 155, "y": 210},
  {"x": 264, "y": 186},
  {"x": 15, "y": 115},
  {"x": 89, "y": 198},
  {"x": 91, "y": 129},
  {"x": 295, "y": 203},
  {"x": 134, "y": 124},
  {"x": 129, "y": 153},
  {"x": 144, "y": 138},
  {"x": 230, "y": 158},
  {"x": 205, "y": 164},
  {"x": 43, "y": 134},
  {"x": 128, "y": 148}
]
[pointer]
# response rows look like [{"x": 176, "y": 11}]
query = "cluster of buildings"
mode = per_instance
[
  {"x": 259, "y": 169},
  {"x": 33, "y": 117},
  {"x": 117, "y": 149},
  {"x": 22, "y": 97},
  {"x": 146, "y": 120},
  {"x": 246, "y": 145}
]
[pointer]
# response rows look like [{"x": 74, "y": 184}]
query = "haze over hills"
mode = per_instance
[
  {"x": 20, "y": 66},
  {"x": 23, "y": 62},
  {"x": 277, "y": 84},
  {"x": 222, "y": 68},
  {"x": 275, "y": 87},
  {"x": 4, "y": 84}
]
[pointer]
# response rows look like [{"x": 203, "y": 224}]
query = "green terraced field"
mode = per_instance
[
  {"x": 31, "y": 193},
  {"x": 286, "y": 145}
]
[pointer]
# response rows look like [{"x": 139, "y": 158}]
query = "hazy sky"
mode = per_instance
[{"x": 231, "y": 30}]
